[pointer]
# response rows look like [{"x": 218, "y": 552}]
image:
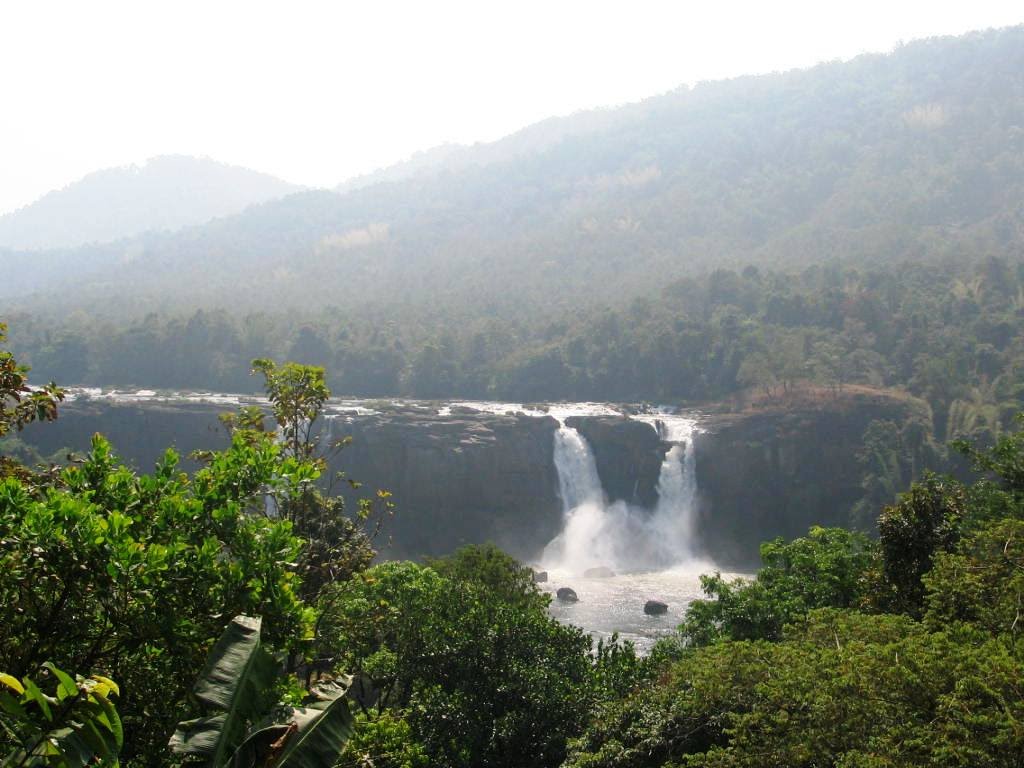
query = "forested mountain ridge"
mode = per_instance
[
  {"x": 915, "y": 154},
  {"x": 164, "y": 193}
]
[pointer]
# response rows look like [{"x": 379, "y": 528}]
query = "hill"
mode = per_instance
[
  {"x": 915, "y": 154},
  {"x": 164, "y": 193}
]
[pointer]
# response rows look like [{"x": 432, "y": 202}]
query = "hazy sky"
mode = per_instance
[{"x": 315, "y": 92}]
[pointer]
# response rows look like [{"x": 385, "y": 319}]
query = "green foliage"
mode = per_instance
[
  {"x": 892, "y": 457},
  {"x": 234, "y": 688},
  {"x": 830, "y": 567},
  {"x": 297, "y": 395},
  {"x": 492, "y": 570},
  {"x": 383, "y": 741},
  {"x": 76, "y": 726},
  {"x": 482, "y": 680},
  {"x": 846, "y": 689},
  {"x": 981, "y": 582},
  {"x": 237, "y": 675},
  {"x": 337, "y": 545},
  {"x": 1005, "y": 460},
  {"x": 21, "y": 404},
  {"x": 108, "y": 570},
  {"x": 926, "y": 520}
]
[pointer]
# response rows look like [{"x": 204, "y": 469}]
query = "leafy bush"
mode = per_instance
[
  {"x": 76, "y": 726},
  {"x": 108, "y": 570},
  {"x": 830, "y": 567},
  {"x": 471, "y": 660}
]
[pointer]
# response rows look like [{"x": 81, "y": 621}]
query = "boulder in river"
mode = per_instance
[
  {"x": 567, "y": 595},
  {"x": 601, "y": 572},
  {"x": 539, "y": 577},
  {"x": 655, "y": 608}
]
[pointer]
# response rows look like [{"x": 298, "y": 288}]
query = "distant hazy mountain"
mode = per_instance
[
  {"x": 448, "y": 158},
  {"x": 915, "y": 154},
  {"x": 165, "y": 193}
]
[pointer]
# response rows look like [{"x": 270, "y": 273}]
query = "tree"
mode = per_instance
[
  {"x": 76, "y": 726},
  {"x": 21, "y": 404},
  {"x": 106, "y": 570},
  {"x": 926, "y": 520},
  {"x": 297, "y": 395},
  {"x": 830, "y": 567},
  {"x": 480, "y": 679},
  {"x": 843, "y": 689},
  {"x": 337, "y": 545}
]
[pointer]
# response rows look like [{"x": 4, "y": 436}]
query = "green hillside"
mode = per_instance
[{"x": 916, "y": 154}]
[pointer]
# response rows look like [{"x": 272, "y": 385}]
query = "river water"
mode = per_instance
[{"x": 616, "y": 604}]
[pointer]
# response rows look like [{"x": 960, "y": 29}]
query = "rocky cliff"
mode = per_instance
[
  {"x": 628, "y": 455},
  {"x": 779, "y": 470},
  {"x": 468, "y": 477},
  {"x": 140, "y": 433},
  {"x": 473, "y": 477}
]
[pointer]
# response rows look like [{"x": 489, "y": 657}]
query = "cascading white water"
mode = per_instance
[
  {"x": 620, "y": 536},
  {"x": 326, "y": 438},
  {"x": 673, "y": 519},
  {"x": 578, "y": 482},
  {"x": 584, "y": 541}
]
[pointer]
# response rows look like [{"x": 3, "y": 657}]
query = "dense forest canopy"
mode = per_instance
[{"x": 950, "y": 334}]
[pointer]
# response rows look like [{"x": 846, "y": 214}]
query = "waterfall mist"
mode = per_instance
[{"x": 622, "y": 536}]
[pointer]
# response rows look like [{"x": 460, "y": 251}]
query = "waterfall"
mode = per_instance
[
  {"x": 674, "y": 516},
  {"x": 586, "y": 540},
  {"x": 621, "y": 536},
  {"x": 578, "y": 482},
  {"x": 326, "y": 436}
]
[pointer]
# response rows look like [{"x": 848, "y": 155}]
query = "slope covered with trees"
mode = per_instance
[
  {"x": 915, "y": 154},
  {"x": 952, "y": 334}
]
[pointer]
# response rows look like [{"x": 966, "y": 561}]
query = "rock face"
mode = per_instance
[
  {"x": 459, "y": 479},
  {"x": 655, "y": 608},
  {"x": 140, "y": 433},
  {"x": 466, "y": 478},
  {"x": 567, "y": 595},
  {"x": 776, "y": 473},
  {"x": 628, "y": 455},
  {"x": 472, "y": 477}
]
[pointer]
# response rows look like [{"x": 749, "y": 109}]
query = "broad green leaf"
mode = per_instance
[
  {"x": 312, "y": 737},
  {"x": 109, "y": 719},
  {"x": 11, "y": 705},
  {"x": 319, "y": 737},
  {"x": 261, "y": 747},
  {"x": 107, "y": 682},
  {"x": 68, "y": 687},
  {"x": 34, "y": 694},
  {"x": 12, "y": 682},
  {"x": 238, "y": 672}
]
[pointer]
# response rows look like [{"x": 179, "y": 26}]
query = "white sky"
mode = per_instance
[{"x": 315, "y": 92}]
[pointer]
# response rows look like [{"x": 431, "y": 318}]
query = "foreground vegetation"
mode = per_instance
[{"x": 121, "y": 590}]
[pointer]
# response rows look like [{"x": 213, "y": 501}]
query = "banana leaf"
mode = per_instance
[
  {"x": 232, "y": 688},
  {"x": 312, "y": 737}
]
